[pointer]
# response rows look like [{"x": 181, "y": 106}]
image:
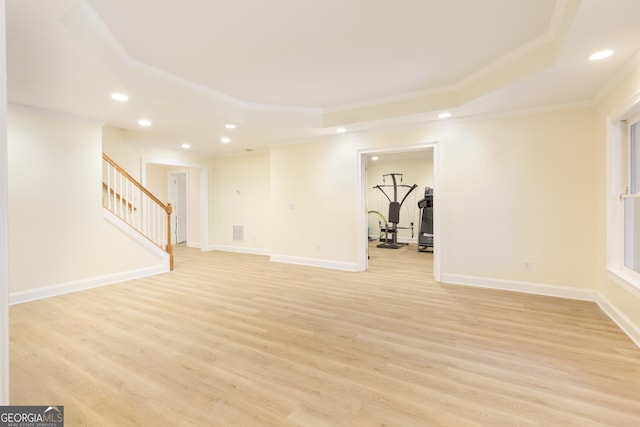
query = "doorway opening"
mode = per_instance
[
  {"x": 185, "y": 186},
  {"x": 419, "y": 165}
]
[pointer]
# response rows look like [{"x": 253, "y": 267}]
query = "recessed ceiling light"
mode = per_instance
[
  {"x": 144, "y": 122},
  {"x": 601, "y": 55},
  {"x": 444, "y": 115},
  {"x": 186, "y": 146},
  {"x": 374, "y": 158},
  {"x": 341, "y": 130},
  {"x": 230, "y": 126},
  {"x": 119, "y": 96},
  {"x": 225, "y": 140}
]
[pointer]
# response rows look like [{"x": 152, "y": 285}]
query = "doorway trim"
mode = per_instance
[
  {"x": 173, "y": 198},
  {"x": 362, "y": 244},
  {"x": 4, "y": 218}
]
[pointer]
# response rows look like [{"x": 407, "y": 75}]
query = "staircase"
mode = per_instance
[{"x": 127, "y": 199}]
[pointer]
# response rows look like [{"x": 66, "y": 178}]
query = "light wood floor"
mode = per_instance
[{"x": 235, "y": 340}]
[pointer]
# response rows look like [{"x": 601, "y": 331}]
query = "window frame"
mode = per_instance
[
  {"x": 626, "y": 194},
  {"x": 617, "y": 181}
]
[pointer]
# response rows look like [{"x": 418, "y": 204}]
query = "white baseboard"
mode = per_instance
[
  {"x": 620, "y": 319},
  {"x": 240, "y": 250},
  {"x": 311, "y": 262},
  {"x": 518, "y": 286},
  {"x": 315, "y": 262},
  {"x": 80, "y": 285}
]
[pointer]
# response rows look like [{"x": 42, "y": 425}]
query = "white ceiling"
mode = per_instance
[{"x": 290, "y": 70}]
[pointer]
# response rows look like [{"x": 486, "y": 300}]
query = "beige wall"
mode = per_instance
[
  {"x": 313, "y": 201},
  {"x": 240, "y": 195},
  {"x": 55, "y": 206},
  {"x": 125, "y": 155},
  {"x": 512, "y": 189},
  {"x": 194, "y": 209},
  {"x": 520, "y": 189},
  {"x": 156, "y": 180}
]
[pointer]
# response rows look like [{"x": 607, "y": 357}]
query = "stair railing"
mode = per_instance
[{"x": 134, "y": 204}]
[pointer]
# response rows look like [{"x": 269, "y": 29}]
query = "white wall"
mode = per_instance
[
  {"x": 512, "y": 189},
  {"x": 125, "y": 155},
  {"x": 620, "y": 298},
  {"x": 156, "y": 180},
  {"x": 240, "y": 195},
  {"x": 194, "y": 209},
  {"x": 55, "y": 208},
  {"x": 521, "y": 189},
  {"x": 313, "y": 203}
]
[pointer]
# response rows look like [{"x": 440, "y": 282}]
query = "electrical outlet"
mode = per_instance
[
  {"x": 318, "y": 247},
  {"x": 527, "y": 265}
]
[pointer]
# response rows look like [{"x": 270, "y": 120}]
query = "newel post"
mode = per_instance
[{"x": 169, "y": 248}]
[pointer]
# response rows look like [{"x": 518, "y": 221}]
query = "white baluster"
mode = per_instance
[
  {"x": 108, "y": 186},
  {"x": 120, "y": 194},
  {"x": 113, "y": 190}
]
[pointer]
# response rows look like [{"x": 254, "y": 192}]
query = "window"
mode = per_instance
[{"x": 631, "y": 200}]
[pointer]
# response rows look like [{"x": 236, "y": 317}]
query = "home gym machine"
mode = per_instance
[
  {"x": 390, "y": 229},
  {"x": 425, "y": 237}
]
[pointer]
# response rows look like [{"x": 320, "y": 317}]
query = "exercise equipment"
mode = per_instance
[
  {"x": 383, "y": 220},
  {"x": 390, "y": 229},
  {"x": 425, "y": 237}
]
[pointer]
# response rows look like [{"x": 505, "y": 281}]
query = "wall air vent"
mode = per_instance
[{"x": 238, "y": 233}]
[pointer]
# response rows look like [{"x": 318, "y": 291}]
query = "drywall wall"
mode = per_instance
[
  {"x": 125, "y": 155},
  {"x": 240, "y": 196},
  {"x": 156, "y": 180},
  {"x": 194, "y": 208},
  {"x": 513, "y": 190},
  {"x": 619, "y": 296},
  {"x": 518, "y": 190},
  {"x": 313, "y": 203},
  {"x": 55, "y": 209}
]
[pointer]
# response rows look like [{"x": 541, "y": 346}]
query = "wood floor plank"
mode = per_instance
[{"x": 230, "y": 339}]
